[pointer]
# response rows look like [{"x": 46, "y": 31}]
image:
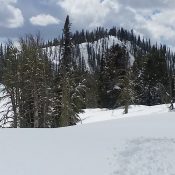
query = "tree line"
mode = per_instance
[{"x": 49, "y": 91}]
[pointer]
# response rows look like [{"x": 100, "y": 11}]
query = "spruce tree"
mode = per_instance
[
  {"x": 69, "y": 108},
  {"x": 10, "y": 81}
]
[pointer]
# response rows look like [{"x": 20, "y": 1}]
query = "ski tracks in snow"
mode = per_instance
[{"x": 145, "y": 156}]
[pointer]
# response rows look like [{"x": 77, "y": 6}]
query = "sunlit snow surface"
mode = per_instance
[
  {"x": 107, "y": 143},
  {"x": 97, "y": 115}
]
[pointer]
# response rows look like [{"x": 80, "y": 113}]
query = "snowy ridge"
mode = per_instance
[
  {"x": 97, "y": 46},
  {"x": 54, "y": 52}
]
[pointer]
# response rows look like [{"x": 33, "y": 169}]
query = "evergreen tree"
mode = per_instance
[
  {"x": 10, "y": 80},
  {"x": 112, "y": 64},
  {"x": 69, "y": 106},
  {"x": 127, "y": 93}
]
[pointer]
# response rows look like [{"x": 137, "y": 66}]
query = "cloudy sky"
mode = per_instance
[{"x": 151, "y": 18}]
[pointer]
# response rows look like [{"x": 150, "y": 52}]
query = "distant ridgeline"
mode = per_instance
[{"x": 49, "y": 83}]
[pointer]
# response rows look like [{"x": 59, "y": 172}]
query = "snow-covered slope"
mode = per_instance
[
  {"x": 97, "y": 46},
  {"x": 99, "y": 115},
  {"x": 134, "y": 145},
  {"x": 54, "y": 51}
]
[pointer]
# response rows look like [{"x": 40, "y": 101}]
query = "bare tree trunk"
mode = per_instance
[
  {"x": 14, "y": 107},
  {"x": 36, "y": 114},
  {"x": 65, "y": 106}
]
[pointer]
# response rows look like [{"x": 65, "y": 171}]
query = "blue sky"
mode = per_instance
[{"x": 154, "y": 19}]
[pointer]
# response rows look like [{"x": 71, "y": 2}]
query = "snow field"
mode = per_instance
[{"x": 133, "y": 145}]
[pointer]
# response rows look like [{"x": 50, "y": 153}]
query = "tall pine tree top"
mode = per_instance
[{"x": 67, "y": 44}]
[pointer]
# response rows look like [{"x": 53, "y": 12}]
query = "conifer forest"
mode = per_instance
[{"x": 49, "y": 83}]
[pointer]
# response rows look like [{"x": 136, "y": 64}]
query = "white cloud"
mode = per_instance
[
  {"x": 159, "y": 25},
  {"x": 44, "y": 20},
  {"x": 89, "y": 13},
  {"x": 17, "y": 20},
  {"x": 8, "y": 1},
  {"x": 10, "y": 16},
  {"x": 153, "y": 19},
  {"x": 162, "y": 26}
]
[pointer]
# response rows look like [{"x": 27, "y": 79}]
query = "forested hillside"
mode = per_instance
[{"x": 49, "y": 83}]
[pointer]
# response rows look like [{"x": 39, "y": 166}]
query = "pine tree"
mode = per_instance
[
  {"x": 10, "y": 80},
  {"x": 27, "y": 81},
  {"x": 112, "y": 67},
  {"x": 69, "y": 107},
  {"x": 127, "y": 93}
]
